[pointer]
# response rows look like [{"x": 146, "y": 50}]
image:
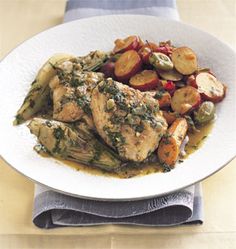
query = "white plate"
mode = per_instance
[{"x": 18, "y": 69}]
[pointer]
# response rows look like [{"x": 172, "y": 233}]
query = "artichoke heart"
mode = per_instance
[
  {"x": 93, "y": 61},
  {"x": 39, "y": 91},
  {"x": 78, "y": 145}
]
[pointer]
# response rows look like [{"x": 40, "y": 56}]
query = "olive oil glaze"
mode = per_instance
[{"x": 196, "y": 140}]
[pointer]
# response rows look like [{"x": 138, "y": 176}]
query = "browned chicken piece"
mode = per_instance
[
  {"x": 127, "y": 120},
  {"x": 72, "y": 92}
]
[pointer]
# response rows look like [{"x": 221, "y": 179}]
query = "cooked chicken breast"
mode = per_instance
[
  {"x": 127, "y": 120},
  {"x": 72, "y": 92}
]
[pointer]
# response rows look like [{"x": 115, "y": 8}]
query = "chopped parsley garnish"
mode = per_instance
[
  {"x": 120, "y": 101},
  {"x": 115, "y": 119},
  {"x": 118, "y": 96},
  {"x": 61, "y": 74},
  {"x": 74, "y": 82},
  {"x": 149, "y": 117},
  {"x": 19, "y": 119},
  {"x": 137, "y": 111},
  {"x": 139, "y": 128},
  {"x": 84, "y": 103},
  {"x": 165, "y": 138},
  {"x": 115, "y": 137},
  {"x": 159, "y": 94},
  {"x": 97, "y": 153},
  {"x": 166, "y": 168},
  {"x": 166, "y": 135},
  {"x": 58, "y": 133},
  {"x": 108, "y": 88},
  {"x": 145, "y": 112}
]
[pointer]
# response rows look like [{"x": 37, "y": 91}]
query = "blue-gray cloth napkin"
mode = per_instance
[{"x": 52, "y": 209}]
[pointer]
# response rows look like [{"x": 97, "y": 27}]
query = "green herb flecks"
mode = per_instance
[
  {"x": 119, "y": 97},
  {"x": 106, "y": 87},
  {"x": 61, "y": 75},
  {"x": 115, "y": 137},
  {"x": 84, "y": 103},
  {"x": 149, "y": 117},
  {"x": 159, "y": 94},
  {"x": 116, "y": 119},
  {"x": 153, "y": 109},
  {"x": 75, "y": 82},
  {"x": 120, "y": 101},
  {"x": 138, "y": 128},
  {"x": 145, "y": 112},
  {"x": 166, "y": 168},
  {"x": 58, "y": 133},
  {"x": 135, "y": 112},
  {"x": 165, "y": 138},
  {"x": 18, "y": 119},
  {"x": 96, "y": 154}
]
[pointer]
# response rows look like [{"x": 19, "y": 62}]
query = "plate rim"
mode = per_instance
[
  {"x": 103, "y": 16},
  {"x": 115, "y": 199}
]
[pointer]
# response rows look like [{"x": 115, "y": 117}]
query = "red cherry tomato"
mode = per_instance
[{"x": 170, "y": 87}]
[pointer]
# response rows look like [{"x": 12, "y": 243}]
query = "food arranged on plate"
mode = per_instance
[{"x": 131, "y": 111}]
